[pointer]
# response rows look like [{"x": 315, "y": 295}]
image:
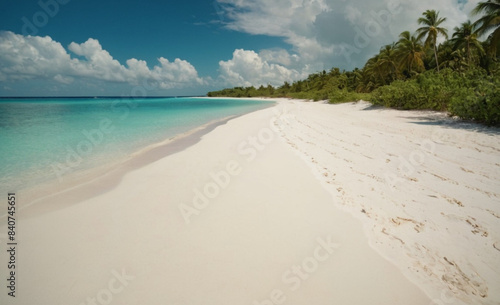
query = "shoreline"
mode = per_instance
[
  {"x": 55, "y": 183},
  {"x": 88, "y": 183},
  {"x": 259, "y": 194}
]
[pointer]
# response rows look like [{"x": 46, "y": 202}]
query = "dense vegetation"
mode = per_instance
[{"x": 460, "y": 75}]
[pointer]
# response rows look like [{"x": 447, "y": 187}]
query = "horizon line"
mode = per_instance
[{"x": 104, "y": 96}]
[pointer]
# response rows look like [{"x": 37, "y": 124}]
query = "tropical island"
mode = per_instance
[
  {"x": 460, "y": 75},
  {"x": 193, "y": 200}
]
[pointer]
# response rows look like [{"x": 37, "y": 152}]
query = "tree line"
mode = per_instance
[{"x": 461, "y": 75}]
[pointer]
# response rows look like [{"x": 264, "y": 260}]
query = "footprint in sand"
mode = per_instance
[
  {"x": 476, "y": 229},
  {"x": 470, "y": 283},
  {"x": 496, "y": 245}
]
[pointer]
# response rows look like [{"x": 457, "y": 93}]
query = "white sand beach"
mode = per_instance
[{"x": 300, "y": 203}]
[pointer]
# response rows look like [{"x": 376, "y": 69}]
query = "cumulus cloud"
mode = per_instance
[
  {"x": 29, "y": 57},
  {"x": 64, "y": 79},
  {"x": 326, "y": 33},
  {"x": 321, "y": 34},
  {"x": 176, "y": 72},
  {"x": 247, "y": 68},
  {"x": 279, "y": 56},
  {"x": 34, "y": 57}
]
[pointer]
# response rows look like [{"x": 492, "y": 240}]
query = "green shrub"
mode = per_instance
[
  {"x": 401, "y": 95},
  {"x": 344, "y": 96},
  {"x": 472, "y": 95},
  {"x": 480, "y": 103}
]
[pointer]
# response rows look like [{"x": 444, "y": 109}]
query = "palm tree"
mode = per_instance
[
  {"x": 410, "y": 51},
  {"x": 364, "y": 81},
  {"x": 465, "y": 37},
  {"x": 488, "y": 60},
  {"x": 490, "y": 21},
  {"x": 451, "y": 58},
  {"x": 431, "y": 22},
  {"x": 373, "y": 70},
  {"x": 460, "y": 60},
  {"x": 387, "y": 61}
]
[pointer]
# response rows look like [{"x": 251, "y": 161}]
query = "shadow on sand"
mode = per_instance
[{"x": 442, "y": 119}]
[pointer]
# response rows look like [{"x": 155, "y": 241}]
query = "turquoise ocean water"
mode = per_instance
[{"x": 44, "y": 139}]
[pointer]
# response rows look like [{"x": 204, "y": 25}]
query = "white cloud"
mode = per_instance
[
  {"x": 279, "y": 56},
  {"x": 64, "y": 79},
  {"x": 29, "y": 57},
  {"x": 34, "y": 57},
  {"x": 352, "y": 13},
  {"x": 99, "y": 63},
  {"x": 321, "y": 34},
  {"x": 177, "y": 72},
  {"x": 247, "y": 68},
  {"x": 321, "y": 31}
]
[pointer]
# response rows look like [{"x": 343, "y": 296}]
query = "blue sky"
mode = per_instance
[{"x": 153, "y": 47}]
